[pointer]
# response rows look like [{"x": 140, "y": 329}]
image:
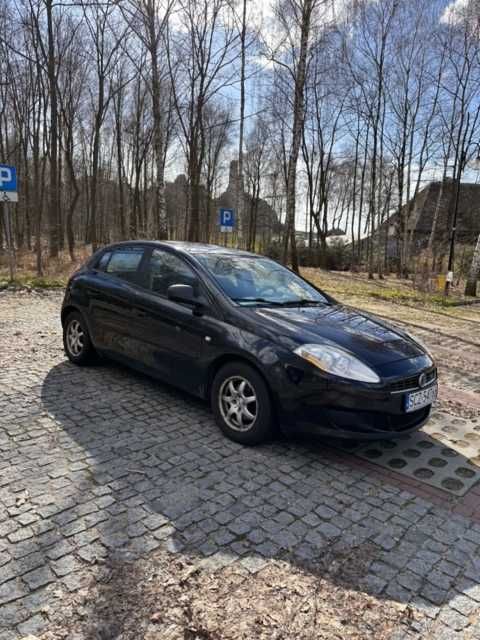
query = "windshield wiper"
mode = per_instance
[
  {"x": 300, "y": 302},
  {"x": 261, "y": 300}
]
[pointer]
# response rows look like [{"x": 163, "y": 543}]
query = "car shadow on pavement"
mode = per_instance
[{"x": 139, "y": 466}]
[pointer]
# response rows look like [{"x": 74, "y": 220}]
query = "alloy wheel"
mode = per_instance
[
  {"x": 75, "y": 338},
  {"x": 238, "y": 403}
]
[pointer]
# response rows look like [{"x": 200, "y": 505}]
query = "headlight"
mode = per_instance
[{"x": 336, "y": 361}]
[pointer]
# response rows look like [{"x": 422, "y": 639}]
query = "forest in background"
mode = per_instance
[{"x": 337, "y": 112}]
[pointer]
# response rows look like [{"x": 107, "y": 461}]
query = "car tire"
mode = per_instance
[
  {"x": 241, "y": 404},
  {"x": 76, "y": 340}
]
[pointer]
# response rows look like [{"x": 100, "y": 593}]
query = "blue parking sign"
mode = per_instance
[
  {"x": 227, "y": 219},
  {"x": 8, "y": 183},
  {"x": 8, "y": 178}
]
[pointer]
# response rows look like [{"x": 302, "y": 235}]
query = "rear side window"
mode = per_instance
[
  {"x": 124, "y": 263},
  {"x": 125, "y": 260}
]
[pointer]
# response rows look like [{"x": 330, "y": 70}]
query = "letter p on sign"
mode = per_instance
[
  {"x": 8, "y": 183},
  {"x": 5, "y": 177}
]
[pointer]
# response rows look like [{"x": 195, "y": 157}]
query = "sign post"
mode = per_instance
[{"x": 8, "y": 193}]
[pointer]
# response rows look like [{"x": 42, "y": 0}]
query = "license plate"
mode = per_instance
[{"x": 420, "y": 399}]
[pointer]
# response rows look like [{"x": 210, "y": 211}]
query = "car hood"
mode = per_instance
[{"x": 370, "y": 339}]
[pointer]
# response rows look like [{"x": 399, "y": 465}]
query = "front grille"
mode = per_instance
[
  {"x": 412, "y": 382},
  {"x": 399, "y": 423},
  {"x": 372, "y": 422}
]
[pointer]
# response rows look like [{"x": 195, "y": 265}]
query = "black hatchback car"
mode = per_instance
[{"x": 265, "y": 346}]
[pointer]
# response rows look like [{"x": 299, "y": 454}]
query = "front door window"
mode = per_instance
[{"x": 166, "y": 269}]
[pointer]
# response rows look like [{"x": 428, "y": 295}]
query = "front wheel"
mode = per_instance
[
  {"x": 77, "y": 343},
  {"x": 241, "y": 404}
]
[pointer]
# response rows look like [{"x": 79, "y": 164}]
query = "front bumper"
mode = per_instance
[{"x": 341, "y": 409}]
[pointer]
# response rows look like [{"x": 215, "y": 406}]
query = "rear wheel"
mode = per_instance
[
  {"x": 77, "y": 343},
  {"x": 241, "y": 404}
]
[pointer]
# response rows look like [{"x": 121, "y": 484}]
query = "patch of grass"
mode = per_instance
[
  {"x": 56, "y": 271},
  {"x": 346, "y": 286},
  {"x": 23, "y": 281},
  {"x": 404, "y": 297}
]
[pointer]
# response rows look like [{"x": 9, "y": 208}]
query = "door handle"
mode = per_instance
[{"x": 140, "y": 313}]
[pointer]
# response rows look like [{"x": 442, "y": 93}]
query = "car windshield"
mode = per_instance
[{"x": 250, "y": 281}]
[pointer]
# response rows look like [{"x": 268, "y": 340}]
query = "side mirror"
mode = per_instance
[{"x": 185, "y": 294}]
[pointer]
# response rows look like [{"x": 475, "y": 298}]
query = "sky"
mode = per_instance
[{"x": 261, "y": 16}]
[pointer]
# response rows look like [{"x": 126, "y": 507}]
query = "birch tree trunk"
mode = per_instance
[
  {"x": 160, "y": 212},
  {"x": 239, "y": 184},
  {"x": 298, "y": 120},
  {"x": 54, "y": 208}
]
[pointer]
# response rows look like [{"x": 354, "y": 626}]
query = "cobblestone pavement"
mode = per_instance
[{"x": 102, "y": 462}]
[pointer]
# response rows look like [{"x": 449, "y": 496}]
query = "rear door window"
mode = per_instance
[{"x": 125, "y": 263}]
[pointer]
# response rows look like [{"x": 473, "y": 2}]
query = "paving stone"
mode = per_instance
[
  {"x": 8, "y": 635},
  {"x": 373, "y": 584},
  {"x": 35, "y": 624},
  {"x": 464, "y": 605},
  {"x": 256, "y": 536},
  {"x": 24, "y": 533},
  {"x": 239, "y": 527},
  {"x": 410, "y": 581},
  {"x": 12, "y": 614},
  {"x": 38, "y": 577},
  {"x": 12, "y": 590},
  {"x": 285, "y": 539},
  {"x": 253, "y": 564},
  {"x": 325, "y": 513},
  {"x": 397, "y": 592},
  {"x": 155, "y": 521},
  {"x": 454, "y": 619},
  {"x": 449, "y": 568},
  {"x": 224, "y": 517},
  {"x": 268, "y": 549},
  {"x": 434, "y": 594},
  {"x": 65, "y": 565},
  {"x": 59, "y": 550},
  {"x": 38, "y": 600},
  {"x": 329, "y": 530},
  {"x": 385, "y": 541}
]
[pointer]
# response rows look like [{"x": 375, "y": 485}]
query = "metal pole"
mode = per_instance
[{"x": 8, "y": 236}]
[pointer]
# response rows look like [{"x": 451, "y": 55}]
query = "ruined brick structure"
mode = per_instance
[{"x": 422, "y": 214}]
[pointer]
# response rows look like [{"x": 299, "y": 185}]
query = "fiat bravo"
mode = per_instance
[{"x": 265, "y": 347}]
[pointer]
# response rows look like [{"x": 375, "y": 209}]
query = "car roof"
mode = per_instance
[{"x": 185, "y": 247}]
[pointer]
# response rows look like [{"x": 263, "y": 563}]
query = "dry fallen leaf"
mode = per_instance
[
  {"x": 156, "y": 617},
  {"x": 22, "y": 499}
]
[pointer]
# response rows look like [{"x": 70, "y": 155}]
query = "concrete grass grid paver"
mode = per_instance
[
  {"x": 443, "y": 455},
  {"x": 103, "y": 463}
]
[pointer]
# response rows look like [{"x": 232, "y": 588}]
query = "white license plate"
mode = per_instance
[{"x": 420, "y": 399}]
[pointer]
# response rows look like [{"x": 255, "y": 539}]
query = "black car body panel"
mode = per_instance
[
  {"x": 185, "y": 346},
  {"x": 372, "y": 341}
]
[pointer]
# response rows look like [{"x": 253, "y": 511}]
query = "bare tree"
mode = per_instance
[
  {"x": 295, "y": 20},
  {"x": 149, "y": 21},
  {"x": 474, "y": 272},
  {"x": 217, "y": 130},
  {"x": 107, "y": 39},
  {"x": 205, "y": 54}
]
